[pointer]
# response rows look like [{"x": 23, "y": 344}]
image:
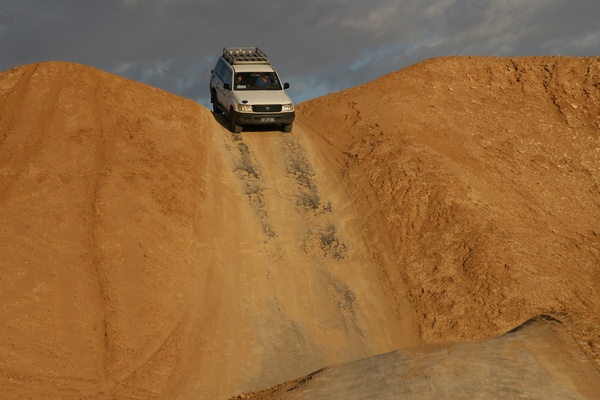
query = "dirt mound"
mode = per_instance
[{"x": 150, "y": 253}]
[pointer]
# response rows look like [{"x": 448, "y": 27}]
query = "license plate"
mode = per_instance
[{"x": 267, "y": 119}]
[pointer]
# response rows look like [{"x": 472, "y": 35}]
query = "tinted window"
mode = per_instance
[
  {"x": 219, "y": 68},
  {"x": 227, "y": 77},
  {"x": 257, "y": 81}
]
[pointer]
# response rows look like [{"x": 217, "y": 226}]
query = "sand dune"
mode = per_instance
[{"x": 147, "y": 252}]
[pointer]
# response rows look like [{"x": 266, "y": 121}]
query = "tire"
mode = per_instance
[
  {"x": 286, "y": 127},
  {"x": 235, "y": 128}
]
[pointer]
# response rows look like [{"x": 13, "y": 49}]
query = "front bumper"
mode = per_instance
[{"x": 264, "y": 118}]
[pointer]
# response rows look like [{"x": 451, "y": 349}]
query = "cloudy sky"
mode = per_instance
[{"x": 318, "y": 46}]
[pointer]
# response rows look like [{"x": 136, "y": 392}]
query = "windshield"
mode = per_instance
[{"x": 257, "y": 81}]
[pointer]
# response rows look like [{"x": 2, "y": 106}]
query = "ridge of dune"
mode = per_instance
[{"x": 150, "y": 253}]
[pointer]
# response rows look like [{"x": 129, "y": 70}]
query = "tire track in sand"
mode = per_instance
[{"x": 318, "y": 300}]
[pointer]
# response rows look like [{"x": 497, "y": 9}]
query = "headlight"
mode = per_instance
[
  {"x": 287, "y": 107},
  {"x": 244, "y": 108}
]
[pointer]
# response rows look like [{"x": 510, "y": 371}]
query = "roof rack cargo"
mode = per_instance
[{"x": 245, "y": 55}]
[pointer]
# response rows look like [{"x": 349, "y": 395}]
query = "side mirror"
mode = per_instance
[
  {"x": 226, "y": 86},
  {"x": 286, "y": 86}
]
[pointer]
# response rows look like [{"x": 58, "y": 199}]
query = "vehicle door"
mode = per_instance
[
  {"x": 217, "y": 80},
  {"x": 227, "y": 94}
]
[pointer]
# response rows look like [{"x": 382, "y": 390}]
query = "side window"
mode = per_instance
[
  {"x": 219, "y": 68},
  {"x": 227, "y": 77}
]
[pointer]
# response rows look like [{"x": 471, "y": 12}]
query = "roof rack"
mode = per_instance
[{"x": 245, "y": 55}]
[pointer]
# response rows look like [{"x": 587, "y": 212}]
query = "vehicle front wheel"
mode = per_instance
[
  {"x": 286, "y": 127},
  {"x": 235, "y": 128}
]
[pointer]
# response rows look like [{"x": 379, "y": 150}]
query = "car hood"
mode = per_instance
[{"x": 263, "y": 97}]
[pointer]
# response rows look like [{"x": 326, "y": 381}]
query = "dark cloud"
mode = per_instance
[{"x": 319, "y": 47}]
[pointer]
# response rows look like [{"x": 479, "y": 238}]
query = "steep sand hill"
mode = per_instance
[
  {"x": 486, "y": 177},
  {"x": 100, "y": 202},
  {"x": 150, "y": 253}
]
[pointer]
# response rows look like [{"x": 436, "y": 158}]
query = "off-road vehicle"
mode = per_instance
[{"x": 246, "y": 88}]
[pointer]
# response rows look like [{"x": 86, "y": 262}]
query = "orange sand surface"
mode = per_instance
[{"x": 387, "y": 247}]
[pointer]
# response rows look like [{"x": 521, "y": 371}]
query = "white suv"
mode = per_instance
[{"x": 247, "y": 89}]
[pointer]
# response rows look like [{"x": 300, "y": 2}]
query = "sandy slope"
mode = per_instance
[
  {"x": 149, "y": 253},
  {"x": 486, "y": 176},
  {"x": 100, "y": 209}
]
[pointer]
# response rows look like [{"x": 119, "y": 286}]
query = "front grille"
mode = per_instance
[{"x": 267, "y": 108}]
